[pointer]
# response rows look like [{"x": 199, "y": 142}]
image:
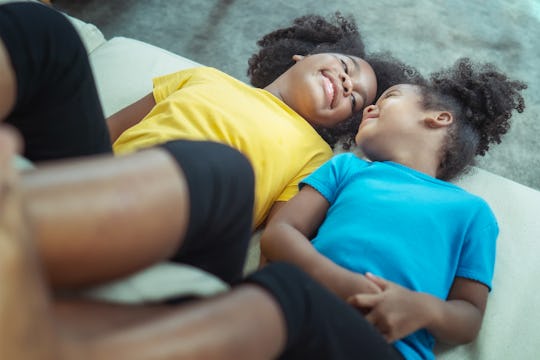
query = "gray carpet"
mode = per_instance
[{"x": 426, "y": 34}]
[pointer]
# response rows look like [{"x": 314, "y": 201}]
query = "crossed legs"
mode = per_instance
[
  {"x": 101, "y": 218},
  {"x": 25, "y": 318},
  {"x": 36, "y": 327}
]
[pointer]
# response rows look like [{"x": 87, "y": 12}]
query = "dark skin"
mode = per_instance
[
  {"x": 129, "y": 116},
  {"x": 7, "y": 83},
  {"x": 127, "y": 200}
]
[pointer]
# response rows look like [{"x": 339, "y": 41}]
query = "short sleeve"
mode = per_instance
[
  {"x": 477, "y": 258},
  {"x": 292, "y": 188},
  {"x": 327, "y": 178},
  {"x": 167, "y": 84}
]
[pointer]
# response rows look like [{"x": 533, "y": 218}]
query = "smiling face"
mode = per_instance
[
  {"x": 326, "y": 89},
  {"x": 394, "y": 124}
]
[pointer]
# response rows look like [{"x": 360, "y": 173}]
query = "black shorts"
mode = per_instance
[
  {"x": 319, "y": 324},
  {"x": 57, "y": 109},
  {"x": 221, "y": 196}
]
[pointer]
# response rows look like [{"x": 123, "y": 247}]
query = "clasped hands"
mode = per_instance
[{"x": 394, "y": 310}]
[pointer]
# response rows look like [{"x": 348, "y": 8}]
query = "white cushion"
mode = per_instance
[
  {"x": 124, "y": 69},
  {"x": 162, "y": 281},
  {"x": 511, "y": 324},
  {"x": 90, "y": 35}
]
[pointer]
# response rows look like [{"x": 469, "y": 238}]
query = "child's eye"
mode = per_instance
[
  {"x": 353, "y": 102},
  {"x": 345, "y": 67}
]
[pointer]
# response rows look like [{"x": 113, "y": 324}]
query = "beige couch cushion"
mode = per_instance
[
  {"x": 511, "y": 327},
  {"x": 124, "y": 69}
]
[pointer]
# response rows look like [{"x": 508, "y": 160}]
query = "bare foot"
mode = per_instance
[{"x": 25, "y": 322}]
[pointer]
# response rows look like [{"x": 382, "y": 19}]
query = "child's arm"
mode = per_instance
[
  {"x": 397, "y": 311},
  {"x": 460, "y": 320},
  {"x": 286, "y": 238},
  {"x": 129, "y": 116}
]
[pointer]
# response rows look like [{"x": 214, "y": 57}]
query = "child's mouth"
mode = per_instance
[{"x": 329, "y": 90}]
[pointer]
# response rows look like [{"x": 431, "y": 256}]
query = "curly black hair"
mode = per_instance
[
  {"x": 314, "y": 34},
  {"x": 481, "y": 99}
]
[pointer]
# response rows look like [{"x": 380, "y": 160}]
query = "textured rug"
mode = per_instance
[{"x": 426, "y": 34}]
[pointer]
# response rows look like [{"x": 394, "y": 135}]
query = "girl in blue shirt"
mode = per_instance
[{"x": 411, "y": 251}]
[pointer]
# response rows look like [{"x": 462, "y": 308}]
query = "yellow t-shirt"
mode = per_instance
[{"x": 205, "y": 104}]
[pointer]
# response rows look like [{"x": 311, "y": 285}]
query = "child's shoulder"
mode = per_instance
[{"x": 203, "y": 71}]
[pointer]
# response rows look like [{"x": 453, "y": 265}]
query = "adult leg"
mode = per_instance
[
  {"x": 101, "y": 218},
  {"x": 7, "y": 83},
  {"x": 29, "y": 330},
  {"x": 222, "y": 186},
  {"x": 245, "y": 323},
  {"x": 25, "y": 320},
  {"x": 319, "y": 324},
  {"x": 56, "y": 106},
  {"x": 104, "y": 217},
  {"x": 279, "y": 312}
]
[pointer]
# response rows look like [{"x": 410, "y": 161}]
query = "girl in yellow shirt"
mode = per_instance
[{"x": 311, "y": 83}]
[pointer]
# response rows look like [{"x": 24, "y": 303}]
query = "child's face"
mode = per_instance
[
  {"x": 393, "y": 124},
  {"x": 327, "y": 89}
]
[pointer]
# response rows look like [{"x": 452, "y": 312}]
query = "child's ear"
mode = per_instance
[
  {"x": 439, "y": 119},
  {"x": 297, "y": 58}
]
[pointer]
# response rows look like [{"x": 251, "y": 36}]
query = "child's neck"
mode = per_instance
[
  {"x": 423, "y": 167},
  {"x": 274, "y": 89},
  {"x": 423, "y": 161}
]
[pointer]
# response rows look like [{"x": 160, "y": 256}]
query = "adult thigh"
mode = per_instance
[{"x": 57, "y": 109}]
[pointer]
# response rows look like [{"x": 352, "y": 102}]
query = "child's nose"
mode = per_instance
[
  {"x": 347, "y": 84},
  {"x": 368, "y": 109}
]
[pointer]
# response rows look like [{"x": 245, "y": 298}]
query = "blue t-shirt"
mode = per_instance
[{"x": 404, "y": 226}]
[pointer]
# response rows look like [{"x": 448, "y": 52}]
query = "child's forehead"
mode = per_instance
[{"x": 403, "y": 88}]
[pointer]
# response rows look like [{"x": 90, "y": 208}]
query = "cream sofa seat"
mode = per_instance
[{"x": 511, "y": 330}]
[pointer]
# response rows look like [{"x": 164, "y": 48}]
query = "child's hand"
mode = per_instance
[
  {"x": 396, "y": 311},
  {"x": 367, "y": 286}
]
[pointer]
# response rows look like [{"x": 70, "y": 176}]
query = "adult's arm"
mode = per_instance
[
  {"x": 129, "y": 116},
  {"x": 286, "y": 238}
]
